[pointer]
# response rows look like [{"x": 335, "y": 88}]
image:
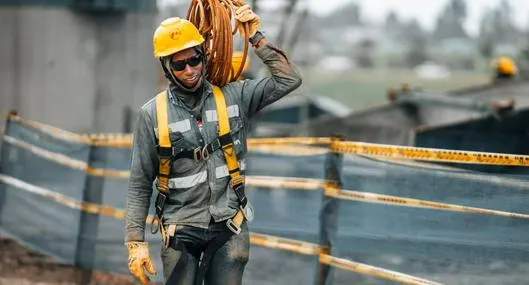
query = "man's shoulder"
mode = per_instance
[{"x": 150, "y": 105}]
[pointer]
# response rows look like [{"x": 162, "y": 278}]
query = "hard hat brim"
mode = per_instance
[{"x": 174, "y": 50}]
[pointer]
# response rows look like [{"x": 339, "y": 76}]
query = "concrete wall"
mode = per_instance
[{"x": 73, "y": 70}]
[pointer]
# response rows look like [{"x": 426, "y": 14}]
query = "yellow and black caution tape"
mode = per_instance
[
  {"x": 308, "y": 248},
  {"x": 285, "y": 182},
  {"x": 52, "y": 131},
  {"x": 111, "y": 140},
  {"x": 289, "y": 141},
  {"x": 267, "y": 241},
  {"x": 92, "y": 208},
  {"x": 290, "y": 146},
  {"x": 278, "y": 182},
  {"x": 332, "y": 191},
  {"x": 291, "y": 245},
  {"x": 373, "y": 271},
  {"x": 66, "y": 160},
  {"x": 106, "y": 140},
  {"x": 430, "y": 154},
  {"x": 288, "y": 150},
  {"x": 62, "y": 199}
]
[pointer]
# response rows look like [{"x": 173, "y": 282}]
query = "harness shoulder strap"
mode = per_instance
[
  {"x": 164, "y": 142},
  {"x": 237, "y": 180},
  {"x": 164, "y": 168}
]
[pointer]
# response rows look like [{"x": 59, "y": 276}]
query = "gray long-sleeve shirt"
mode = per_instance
[{"x": 198, "y": 190}]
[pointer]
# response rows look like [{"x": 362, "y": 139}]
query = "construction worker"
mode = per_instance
[
  {"x": 202, "y": 202},
  {"x": 504, "y": 69}
]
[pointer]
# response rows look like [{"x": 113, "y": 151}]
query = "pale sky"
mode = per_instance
[{"x": 425, "y": 11}]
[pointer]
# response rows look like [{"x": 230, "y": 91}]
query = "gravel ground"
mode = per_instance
[{"x": 18, "y": 266}]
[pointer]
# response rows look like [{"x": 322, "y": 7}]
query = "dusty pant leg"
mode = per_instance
[
  {"x": 227, "y": 266},
  {"x": 170, "y": 257}
]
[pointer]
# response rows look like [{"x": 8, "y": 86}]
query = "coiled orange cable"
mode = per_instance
[{"x": 213, "y": 18}]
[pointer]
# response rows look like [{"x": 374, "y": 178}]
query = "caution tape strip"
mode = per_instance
[
  {"x": 285, "y": 182},
  {"x": 290, "y": 141},
  {"x": 91, "y": 208},
  {"x": 430, "y": 154},
  {"x": 66, "y": 160},
  {"x": 414, "y": 203},
  {"x": 288, "y": 150},
  {"x": 103, "y": 140},
  {"x": 332, "y": 191},
  {"x": 374, "y": 271},
  {"x": 281, "y": 182},
  {"x": 307, "y": 248},
  {"x": 267, "y": 241},
  {"x": 125, "y": 140},
  {"x": 336, "y": 145},
  {"x": 291, "y": 245}
]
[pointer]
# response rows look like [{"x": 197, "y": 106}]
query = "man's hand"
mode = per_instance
[
  {"x": 140, "y": 260},
  {"x": 245, "y": 14}
]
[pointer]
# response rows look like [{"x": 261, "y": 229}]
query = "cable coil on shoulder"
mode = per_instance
[{"x": 214, "y": 18}]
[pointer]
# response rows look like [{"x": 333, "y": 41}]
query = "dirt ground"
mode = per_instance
[{"x": 18, "y": 266}]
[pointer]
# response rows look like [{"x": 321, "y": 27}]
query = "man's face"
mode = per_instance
[{"x": 186, "y": 66}]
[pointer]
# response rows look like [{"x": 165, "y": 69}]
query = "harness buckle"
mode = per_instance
[
  {"x": 205, "y": 153},
  {"x": 248, "y": 211},
  {"x": 216, "y": 144},
  {"x": 197, "y": 154},
  {"x": 234, "y": 228},
  {"x": 160, "y": 203}
]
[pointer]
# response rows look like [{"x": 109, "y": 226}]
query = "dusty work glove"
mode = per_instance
[
  {"x": 245, "y": 14},
  {"x": 140, "y": 260}
]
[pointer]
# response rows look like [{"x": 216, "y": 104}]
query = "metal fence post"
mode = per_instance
[
  {"x": 89, "y": 223},
  {"x": 329, "y": 212}
]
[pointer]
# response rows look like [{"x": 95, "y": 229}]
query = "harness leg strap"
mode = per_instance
[{"x": 208, "y": 254}]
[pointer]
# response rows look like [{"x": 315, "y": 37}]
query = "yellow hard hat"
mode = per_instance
[
  {"x": 236, "y": 61},
  {"x": 175, "y": 34},
  {"x": 506, "y": 65}
]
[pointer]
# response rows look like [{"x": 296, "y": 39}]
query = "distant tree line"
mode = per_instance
[{"x": 496, "y": 28}]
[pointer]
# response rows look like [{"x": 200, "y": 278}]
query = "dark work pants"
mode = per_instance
[{"x": 228, "y": 263}]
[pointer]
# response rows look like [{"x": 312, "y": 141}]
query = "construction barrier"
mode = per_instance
[{"x": 402, "y": 208}]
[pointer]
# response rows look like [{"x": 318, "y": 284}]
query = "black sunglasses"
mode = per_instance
[{"x": 180, "y": 65}]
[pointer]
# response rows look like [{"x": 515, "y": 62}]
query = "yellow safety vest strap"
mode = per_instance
[
  {"x": 164, "y": 141},
  {"x": 229, "y": 151},
  {"x": 224, "y": 129}
]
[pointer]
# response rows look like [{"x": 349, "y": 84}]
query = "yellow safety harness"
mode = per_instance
[
  {"x": 237, "y": 180},
  {"x": 166, "y": 161},
  {"x": 166, "y": 155}
]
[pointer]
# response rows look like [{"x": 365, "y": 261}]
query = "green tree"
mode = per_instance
[
  {"x": 497, "y": 27},
  {"x": 450, "y": 23},
  {"x": 418, "y": 44}
]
